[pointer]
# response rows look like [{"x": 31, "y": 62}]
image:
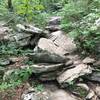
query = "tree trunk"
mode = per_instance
[{"x": 10, "y": 6}]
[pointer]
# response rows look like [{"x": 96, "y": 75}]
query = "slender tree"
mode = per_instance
[{"x": 10, "y": 6}]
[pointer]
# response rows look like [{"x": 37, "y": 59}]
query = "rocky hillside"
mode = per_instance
[{"x": 45, "y": 64}]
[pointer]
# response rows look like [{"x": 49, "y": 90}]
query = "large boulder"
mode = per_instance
[
  {"x": 63, "y": 41},
  {"x": 58, "y": 43},
  {"x": 49, "y": 46}
]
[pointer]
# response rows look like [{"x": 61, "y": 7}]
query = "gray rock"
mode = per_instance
[
  {"x": 49, "y": 46},
  {"x": 35, "y": 95},
  {"x": 3, "y": 32},
  {"x": 97, "y": 64},
  {"x": 46, "y": 57},
  {"x": 20, "y": 39},
  {"x": 53, "y": 28},
  {"x": 84, "y": 86},
  {"x": 29, "y": 29},
  {"x": 63, "y": 41},
  {"x": 62, "y": 95},
  {"x": 91, "y": 95},
  {"x": 55, "y": 20},
  {"x": 74, "y": 73},
  {"x": 29, "y": 96},
  {"x": 48, "y": 76},
  {"x": 97, "y": 90},
  {"x": 4, "y": 62},
  {"x": 88, "y": 60},
  {"x": 69, "y": 63},
  {"x": 58, "y": 43},
  {"x": 40, "y": 68},
  {"x": 94, "y": 77}
]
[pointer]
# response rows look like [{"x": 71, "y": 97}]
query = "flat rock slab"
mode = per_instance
[
  {"x": 46, "y": 57},
  {"x": 62, "y": 95},
  {"x": 74, "y": 73},
  {"x": 40, "y": 68},
  {"x": 29, "y": 29}
]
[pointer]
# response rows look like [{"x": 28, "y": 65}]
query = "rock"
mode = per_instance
[
  {"x": 53, "y": 28},
  {"x": 4, "y": 62},
  {"x": 97, "y": 90},
  {"x": 84, "y": 86},
  {"x": 69, "y": 63},
  {"x": 97, "y": 64},
  {"x": 48, "y": 76},
  {"x": 58, "y": 43},
  {"x": 62, "y": 95},
  {"x": 49, "y": 46},
  {"x": 3, "y": 32},
  {"x": 29, "y": 96},
  {"x": 19, "y": 39},
  {"x": 94, "y": 93},
  {"x": 63, "y": 41},
  {"x": 90, "y": 95},
  {"x": 40, "y": 68},
  {"x": 74, "y": 73},
  {"x": 97, "y": 22},
  {"x": 94, "y": 77},
  {"x": 55, "y": 20},
  {"x": 35, "y": 95},
  {"x": 22, "y": 39},
  {"x": 29, "y": 29},
  {"x": 75, "y": 59},
  {"x": 88, "y": 60},
  {"x": 46, "y": 57}
]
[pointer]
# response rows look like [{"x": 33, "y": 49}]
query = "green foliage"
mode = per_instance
[
  {"x": 12, "y": 49},
  {"x": 16, "y": 78},
  {"x": 27, "y": 8},
  {"x": 79, "y": 90},
  {"x": 80, "y": 20},
  {"x": 37, "y": 86}
]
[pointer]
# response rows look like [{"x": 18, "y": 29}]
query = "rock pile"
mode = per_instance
[{"x": 55, "y": 57}]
